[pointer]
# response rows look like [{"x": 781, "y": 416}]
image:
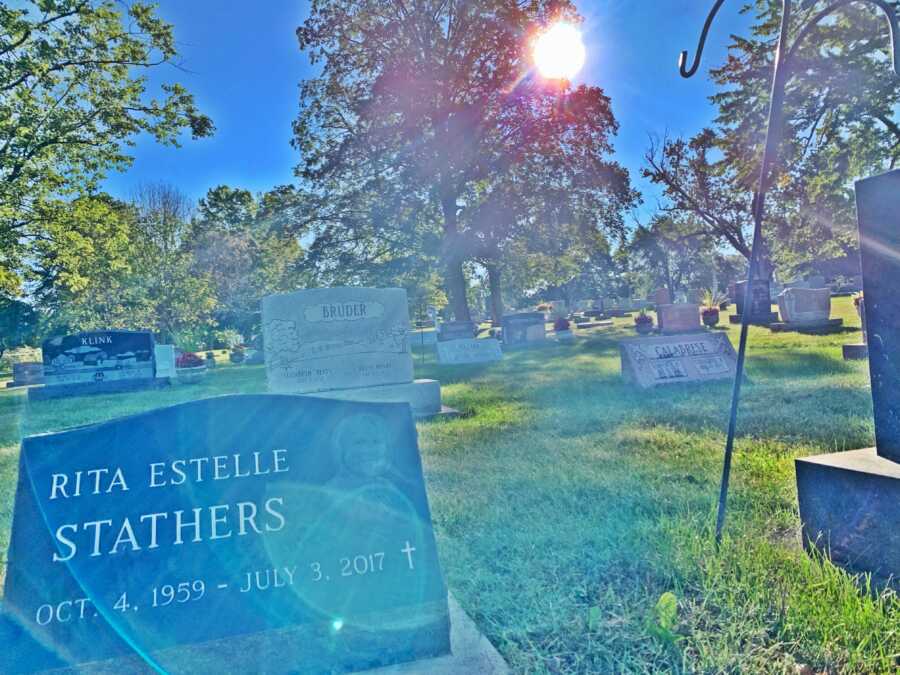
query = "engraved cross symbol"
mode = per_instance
[{"x": 408, "y": 550}]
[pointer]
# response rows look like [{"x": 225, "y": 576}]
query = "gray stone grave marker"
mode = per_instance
[
  {"x": 346, "y": 343},
  {"x": 660, "y": 360}
]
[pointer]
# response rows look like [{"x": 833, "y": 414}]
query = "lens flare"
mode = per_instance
[{"x": 559, "y": 52}]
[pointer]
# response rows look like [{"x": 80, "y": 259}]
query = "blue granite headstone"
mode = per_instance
[{"x": 265, "y": 532}]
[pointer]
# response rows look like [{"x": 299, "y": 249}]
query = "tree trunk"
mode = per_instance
[
  {"x": 496, "y": 293},
  {"x": 455, "y": 283},
  {"x": 453, "y": 256}
]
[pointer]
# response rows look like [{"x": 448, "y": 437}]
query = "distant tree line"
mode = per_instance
[{"x": 430, "y": 158}]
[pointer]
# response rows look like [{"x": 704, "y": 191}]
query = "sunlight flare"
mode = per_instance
[{"x": 559, "y": 52}]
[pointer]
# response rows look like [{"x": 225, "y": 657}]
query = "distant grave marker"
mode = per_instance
[
  {"x": 660, "y": 360},
  {"x": 806, "y": 309},
  {"x": 524, "y": 328},
  {"x": 469, "y": 350},
  {"x": 679, "y": 318},
  {"x": 27, "y": 373}
]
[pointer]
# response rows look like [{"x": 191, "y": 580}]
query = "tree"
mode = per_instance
[
  {"x": 839, "y": 124},
  {"x": 73, "y": 94},
  {"x": 182, "y": 299},
  {"x": 18, "y": 321},
  {"x": 672, "y": 253},
  {"x": 81, "y": 276},
  {"x": 245, "y": 248},
  {"x": 432, "y": 104}
]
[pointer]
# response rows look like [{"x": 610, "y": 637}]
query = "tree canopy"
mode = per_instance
[
  {"x": 73, "y": 95},
  {"x": 427, "y": 115}
]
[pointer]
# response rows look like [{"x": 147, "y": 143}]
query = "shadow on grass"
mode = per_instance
[{"x": 794, "y": 363}]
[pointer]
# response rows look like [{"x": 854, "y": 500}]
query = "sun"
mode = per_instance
[{"x": 559, "y": 52}]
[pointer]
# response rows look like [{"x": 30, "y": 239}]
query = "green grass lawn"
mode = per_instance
[{"x": 566, "y": 504}]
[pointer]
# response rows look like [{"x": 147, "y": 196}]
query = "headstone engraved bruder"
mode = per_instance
[
  {"x": 97, "y": 362},
  {"x": 269, "y": 533},
  {"x": 346, "y": 343},
  {"x": 653, "y": 361},
  {"x": 850, "y": 501}
]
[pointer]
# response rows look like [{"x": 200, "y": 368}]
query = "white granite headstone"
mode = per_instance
[
  {"x": 336, "y": 338},
  {"x": 165, "y": 360}
]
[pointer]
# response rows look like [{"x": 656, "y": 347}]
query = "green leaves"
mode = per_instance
[
  {"x": 73, "y": 94},
  {"x": 662, "y": 620}
]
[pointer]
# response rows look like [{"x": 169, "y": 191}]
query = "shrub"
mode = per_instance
[{"x": 561, "y": 324}]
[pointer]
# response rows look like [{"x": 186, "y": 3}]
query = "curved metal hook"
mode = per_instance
[
  {"x": 890, "y": 13},
  {"x": 682, "y": 60}
]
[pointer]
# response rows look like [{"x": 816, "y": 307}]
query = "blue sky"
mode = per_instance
[{"x": 242, "y": 63}]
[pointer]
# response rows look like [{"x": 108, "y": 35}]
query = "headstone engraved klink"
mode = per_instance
[
  {"x": 347, "y": 343},
  {"x": 97, "y": 362},
  {"x": 850, "y": 501},
  {"x": 269, "y": 533},
  {"x": 699, "y": 357}
]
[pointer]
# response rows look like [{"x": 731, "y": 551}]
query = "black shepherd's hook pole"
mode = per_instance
[{"x": 767, "y": 170}]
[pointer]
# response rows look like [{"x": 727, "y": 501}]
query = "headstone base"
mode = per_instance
[
  {"x": 849, "y": 508},
  {"x": 471, "y": 652},
  {"x": 49, "y": 391},
  {"x": 815, "y": 327},
  {"x": 760, "y": 320},
  {"x": 857, "y": 352},
  {"x": 424, "y": 396}
]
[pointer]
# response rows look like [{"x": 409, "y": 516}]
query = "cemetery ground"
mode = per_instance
[{"x": 570, "y": 508}]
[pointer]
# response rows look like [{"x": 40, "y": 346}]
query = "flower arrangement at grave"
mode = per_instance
[
  {"x": 189, "y": 360},
  {"x": 643, "y": 322},
  {"x": 190, "y": 366},
  {"x": 711, "y": 304},
  {"x": 562, "y": 324}
]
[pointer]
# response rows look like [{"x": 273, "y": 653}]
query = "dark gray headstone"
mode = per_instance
[
  {"x": 456, "y": 330},
  {"x": 523, "y": 328},
  {"x": 301, "y": 520},
  {"x": 878, "y": 208},
  {"x": 760, "y": 301},
  {"x": 98, "y": 362},
  {"x": 98, "y": 356}
]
